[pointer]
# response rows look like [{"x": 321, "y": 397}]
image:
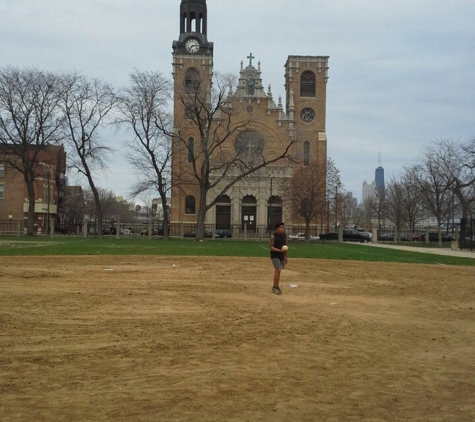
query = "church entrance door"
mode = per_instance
[{"x": 249, "y": 212}]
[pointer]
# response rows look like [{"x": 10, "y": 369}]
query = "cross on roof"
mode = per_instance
[{"x": 250, "y": 57}]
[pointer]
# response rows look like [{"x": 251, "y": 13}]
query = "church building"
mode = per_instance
[{"x": 258, "y": 129}]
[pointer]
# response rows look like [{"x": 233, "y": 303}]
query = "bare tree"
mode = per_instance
[
  {"x": 361, "y": 218},
  {"x": 86, "y": 103},
  {"x": 210, "y": 112},
  {"x": 433, "y": 185},
  {"x": 376, "y": 206},
  {"x": 414, "y": 210},
  {"x": 394, "y": 196},
  {"x": 306, "y": 194},
  {"x": 458, "y": 164},
  {"x": 29, "y": 122},
  {"x": 143, "y": 109},
  {"x": 73, "y": 205},
  {"x": 334, "y": 190},
  {"x": 112, "y": 209}
]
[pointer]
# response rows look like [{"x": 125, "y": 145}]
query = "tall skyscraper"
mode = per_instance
[
  {"x": 379, "y": 178},
  {"x": 368, "y": 190}
]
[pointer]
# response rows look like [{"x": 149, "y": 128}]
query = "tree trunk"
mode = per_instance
[
  {"x": 31, "y": 207},
  {"x": 97, "y": 201},
  {"x": 203, "y": 208},
  {"x": 307, "y": 230},
  {"x": 166, "y": 216}
]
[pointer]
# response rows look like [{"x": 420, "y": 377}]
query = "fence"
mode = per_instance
[
  {"x": 137, "y": 228},
  {"x": 12, "y": 227},
  {"x": 239, "y": 231},
  {"x": 466, "y": 234}
]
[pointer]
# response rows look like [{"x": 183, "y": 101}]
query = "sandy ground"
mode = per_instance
[{"x": 138, "y": 339}]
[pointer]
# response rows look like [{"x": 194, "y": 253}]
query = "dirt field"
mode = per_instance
[{"x": 138, "y": 339}]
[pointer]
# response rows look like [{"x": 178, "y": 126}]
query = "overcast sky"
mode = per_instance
[{"x": 402, "y": 74}]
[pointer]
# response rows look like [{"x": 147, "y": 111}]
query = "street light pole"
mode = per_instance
[
  {"x": 269, "y": 211},
  {"x": 336, "y": 207},
  {"x": 48, "y": 201}
]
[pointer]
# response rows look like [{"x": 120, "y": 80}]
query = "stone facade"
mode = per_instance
[{"x": 269, "y": 125}]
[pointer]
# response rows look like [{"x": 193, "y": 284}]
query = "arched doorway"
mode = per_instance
[
  {"x": 249, "y": 211},
  {"x": 223, "y": 212}
]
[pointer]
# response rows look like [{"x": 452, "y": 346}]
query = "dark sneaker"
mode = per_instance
[{"x": 276, "y": 290}]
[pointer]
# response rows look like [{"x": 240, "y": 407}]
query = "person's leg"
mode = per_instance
[
  {"x": 277, "y": 277},
  {"x": 278, "y": 266}
]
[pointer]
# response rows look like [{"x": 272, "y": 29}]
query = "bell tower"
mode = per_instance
[
  {"x": 305, "y": 84},
  {"x": 193, "y": 37},
  {"x": 192, "y": 79}
]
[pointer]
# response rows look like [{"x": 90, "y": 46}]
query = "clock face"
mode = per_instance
[
  {"x": 192, "y": 45},
  {"x": 307, "y": 115}
]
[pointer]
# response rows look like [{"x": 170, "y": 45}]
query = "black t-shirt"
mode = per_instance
[{"x": 279, "y": 241}]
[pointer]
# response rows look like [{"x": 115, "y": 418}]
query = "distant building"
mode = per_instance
[
  {"x": 368, "y": 190},
  {"x": 379, "y": 178},
  {"x": 352, "y": 202},
  {"x": 50, "y": 181}
]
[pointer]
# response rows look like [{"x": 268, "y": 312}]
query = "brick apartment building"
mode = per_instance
[{"x": 50, "y": 181}]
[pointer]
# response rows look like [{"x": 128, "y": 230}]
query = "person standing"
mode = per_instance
[{"x": 277, "y": 255}]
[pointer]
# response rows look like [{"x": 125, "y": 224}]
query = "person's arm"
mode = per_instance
[
  {"x": 273, "y": 248},
  {"x": 272, "y": 243}
]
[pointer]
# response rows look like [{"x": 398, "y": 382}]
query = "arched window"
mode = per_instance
[
  {"x": 191, "y": 150},
  {"x": 192, "y": 79},
  {"x": 190, "y": 205},
  {"x": 224, "y": 199},
  {"x": 306, "y": 153},
  {"x": 193, "y": 21},
  {"x": 307, "y": 84}
]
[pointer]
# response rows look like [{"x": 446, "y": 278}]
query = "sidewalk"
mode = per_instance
[{"x": 437, "y": 251}]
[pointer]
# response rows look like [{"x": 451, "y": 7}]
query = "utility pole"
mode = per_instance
[
  {"x": 336, "y": 205},
  {"x": 269, "y": 212},
  {"x": 48, "y": 202}
]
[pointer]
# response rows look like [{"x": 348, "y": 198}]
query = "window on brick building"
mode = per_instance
[
  {"x": 306, "y": 153},
  {"x": 307, "y": 84},
  {"x": 2, "y": 190},
  {"x": 190, "y": 205},
  {"x": 2, "y": 170}
]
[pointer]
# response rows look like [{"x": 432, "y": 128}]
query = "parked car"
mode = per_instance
[
  {"x": 349, "y": 235},
  {"x": 366, "y": 233},
  {"x": 434, "y": 237},
  {"x": 301, "y": 236},
  {"x": 223, "y": 233},
  {"x": 155, "y": 232},
  {"x": 389, "y": 237},
  {"x": 192, "y": 233},
  {"x": 416, "y": 236},
  {"x": 353, "y": 235}
]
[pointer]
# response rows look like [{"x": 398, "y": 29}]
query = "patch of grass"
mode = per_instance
[{"x": 41, "y": 246}]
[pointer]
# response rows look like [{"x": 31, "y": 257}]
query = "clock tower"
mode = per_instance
[
  {"x": 193, "y": 29},
  {"x": 192, "y": 75}
]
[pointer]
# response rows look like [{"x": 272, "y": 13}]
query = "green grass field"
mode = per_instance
[{"x": 42, "y": 246}]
